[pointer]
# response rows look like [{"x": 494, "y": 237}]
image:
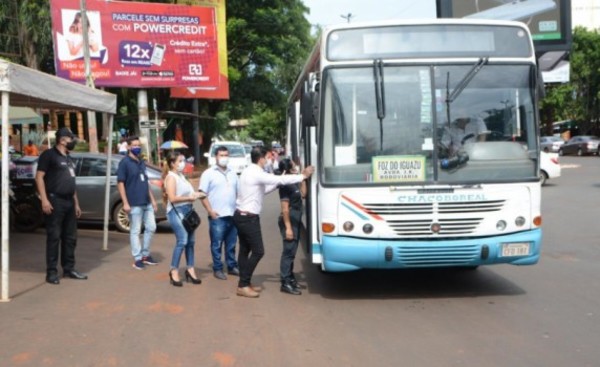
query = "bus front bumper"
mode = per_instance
[{"x": 347, "y": 254}]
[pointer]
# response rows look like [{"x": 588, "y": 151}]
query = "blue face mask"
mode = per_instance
[{"x": 136, "y": 151}]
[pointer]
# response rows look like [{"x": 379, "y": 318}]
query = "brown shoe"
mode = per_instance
[
  {"x": 247, "y": 292},
  {"x": 256, "y": 288}
]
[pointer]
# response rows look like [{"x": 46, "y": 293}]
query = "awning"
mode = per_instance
[{"x": 23, "y": 115}]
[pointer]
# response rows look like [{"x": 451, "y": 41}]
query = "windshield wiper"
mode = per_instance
[
  {"x": 462, "y": 84},
  {"x": 379, "y": 96}
]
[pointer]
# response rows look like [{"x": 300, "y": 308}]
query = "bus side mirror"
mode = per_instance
[{"x": 309, "y": 108}]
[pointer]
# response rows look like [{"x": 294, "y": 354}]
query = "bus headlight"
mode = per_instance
[
  {"x": 368, "y": 228},
  {"x": 348, "y": 226},
  {"x": 520, "y": 221},
  {"x": 501, "y": 225}
]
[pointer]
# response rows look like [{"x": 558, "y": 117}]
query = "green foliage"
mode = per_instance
[
  {"x": 25, "y": 33},
  {"x": 265, "y": 123},
  {"x": 268, "y": 41},
  {"x": 585, "y": 62},
  {"x": 578, "y": 100}
]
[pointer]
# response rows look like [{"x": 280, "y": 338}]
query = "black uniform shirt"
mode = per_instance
[{"x": 60, "y": 172}]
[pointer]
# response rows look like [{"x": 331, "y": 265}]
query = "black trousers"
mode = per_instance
[
  {"x": 251, "y": 246},
  {"x": 61, "y": 230}
]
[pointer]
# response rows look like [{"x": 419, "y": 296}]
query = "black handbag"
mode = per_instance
[{"x": 190, "y": 221}]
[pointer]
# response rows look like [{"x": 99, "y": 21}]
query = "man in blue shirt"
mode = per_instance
[
  {"x": 138, "y": 202},
  {"x": 220, "y": 184}
]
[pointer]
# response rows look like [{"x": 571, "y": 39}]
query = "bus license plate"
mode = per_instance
[{"x": 515, "y": 249}]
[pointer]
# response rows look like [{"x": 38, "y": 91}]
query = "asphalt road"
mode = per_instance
[{"x": 542, "y": 315}]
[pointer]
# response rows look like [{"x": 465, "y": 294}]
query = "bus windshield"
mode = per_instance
[{"x": 485, "y": 133}]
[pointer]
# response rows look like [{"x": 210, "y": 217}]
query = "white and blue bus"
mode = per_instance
[{"x": 374, "y": 110}]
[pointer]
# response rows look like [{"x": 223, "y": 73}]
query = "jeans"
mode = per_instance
[
  {"x": 251, "y": 246},
  {"x": 184, "y": 240},
  {"x": 61, "y": 229},
  {"x": 222, "y": 231},
  {"x": 137, "y": 215}
]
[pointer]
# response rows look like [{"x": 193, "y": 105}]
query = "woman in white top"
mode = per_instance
[
  {"x": 75, "y": 37},
  {"x": 179, "y": 196}
]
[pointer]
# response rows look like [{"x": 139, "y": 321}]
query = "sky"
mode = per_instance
[{"x": 327, "y": 12}]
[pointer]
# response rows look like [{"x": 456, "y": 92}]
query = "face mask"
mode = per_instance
[
  {"x": 180, "y": 166},
  {"x": 223, "y": 161},
  {"x": 136, "y": 151},
  {"x": 294, "y": 170},
  {"x": 269, "y": 163},
  {"x": 71, "y": 145}
]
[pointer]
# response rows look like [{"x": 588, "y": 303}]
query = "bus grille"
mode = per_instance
[
  {"x": 455, "y": 219},
  {"x": 424, "y": 255}
]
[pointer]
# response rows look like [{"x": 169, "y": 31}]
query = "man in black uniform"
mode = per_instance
[{"x": 55, "y": 181}]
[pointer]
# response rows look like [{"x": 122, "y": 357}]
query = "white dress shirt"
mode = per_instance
[{"x": 255, "y": 183}]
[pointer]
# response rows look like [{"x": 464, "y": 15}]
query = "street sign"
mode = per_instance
[{"x": 152, "y": 124}]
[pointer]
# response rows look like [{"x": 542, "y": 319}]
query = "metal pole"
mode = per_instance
[
  {"x": 196, "y": 132},
  {"x": 89, "y": 79},
  {"x": 143, "y": 115},
  {"x": 5, "y": 188},
  {"x": 107, "y": 185},
  {"x": 155, "y": 104}
]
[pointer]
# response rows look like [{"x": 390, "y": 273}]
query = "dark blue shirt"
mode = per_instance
[{"x": 133, "y": 174}]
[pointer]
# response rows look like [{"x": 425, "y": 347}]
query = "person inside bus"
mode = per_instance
[{"x": 466, "y": 128}]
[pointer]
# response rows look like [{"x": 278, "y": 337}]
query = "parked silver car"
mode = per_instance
[
  {"x": 91, "y": 179},
  {"x": 551, "y": 144}
]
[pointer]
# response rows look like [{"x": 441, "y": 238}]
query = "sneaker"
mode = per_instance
[
  {"x": 139, "y": 265},
  {"x": 220, "y": 275},
  {"x": 289, "y": 289},
  {"x": 148, "y": 260}
]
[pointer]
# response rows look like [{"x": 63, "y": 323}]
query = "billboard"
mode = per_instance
[
  {"x": 137, "y": 44},
  {"x": 549, "y": 21},
  {"x": 208, "y": 92}
]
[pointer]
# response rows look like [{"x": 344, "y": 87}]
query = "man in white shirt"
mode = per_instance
[
  {"x": 254, "y": 183},
  {"x": 220, "y": 185},
  {"x": 464, "y": 129}
]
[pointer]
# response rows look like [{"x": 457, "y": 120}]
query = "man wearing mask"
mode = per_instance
[
  {"x": 55, "y": 181},
  {"x": 253, "y": 185},
  {"x": 220, "y": 184},
  {"x": 138, "y": 203}
]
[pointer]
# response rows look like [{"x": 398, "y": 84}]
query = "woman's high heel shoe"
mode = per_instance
[
  {"x": 177, "y": 283},
  {"x": 189, "y": 277}
]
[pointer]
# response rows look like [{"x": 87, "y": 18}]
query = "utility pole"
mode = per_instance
[
  {"x": 347, "y": 16},
  {"x": 89, "y": 79}
]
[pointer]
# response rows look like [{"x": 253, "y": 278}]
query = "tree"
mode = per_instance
[
  {"x": 578, "y": 100},
  {"x": 25, "y": 29},
  {"x": 585, "y": 78},
  {"x": 267, "y": 42}
]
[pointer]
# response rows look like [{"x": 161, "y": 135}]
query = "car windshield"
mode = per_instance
[{"x": 235, "y": 151}]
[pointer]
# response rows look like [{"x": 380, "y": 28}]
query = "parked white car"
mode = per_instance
[
  {"x": 238, "y": 159},
  {"x": 549, "y": 166}
]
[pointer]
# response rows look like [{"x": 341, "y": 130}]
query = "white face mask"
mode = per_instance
[
  {"x": 180, "y": 166},
  {"x": 223, "y": 161}
]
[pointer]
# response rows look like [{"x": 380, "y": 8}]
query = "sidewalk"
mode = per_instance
[{"x": 125, "y": 317}]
